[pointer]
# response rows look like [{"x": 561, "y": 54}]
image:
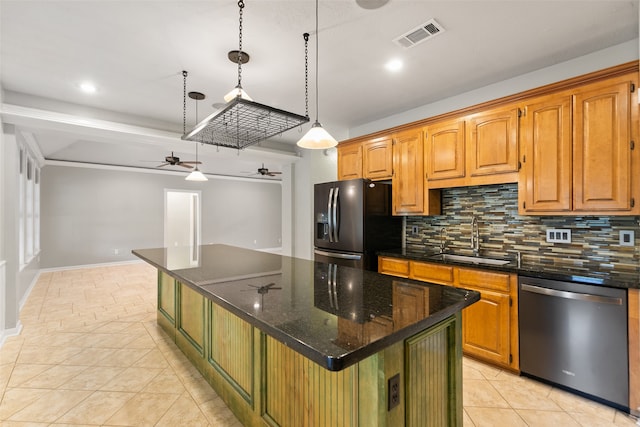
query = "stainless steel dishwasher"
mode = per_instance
[{"x": 575, "y": 335}]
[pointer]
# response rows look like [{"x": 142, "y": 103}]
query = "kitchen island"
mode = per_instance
[{"x": 291, "y": 342}]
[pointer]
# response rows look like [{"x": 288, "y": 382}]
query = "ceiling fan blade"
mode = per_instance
[
  {"x": 192, "y": 163},
  {"x": 164, "y": 164},
  {"x": 184, "y": 166}
]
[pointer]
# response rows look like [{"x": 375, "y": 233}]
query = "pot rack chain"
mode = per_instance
[
  {"x": 306, "y": 74},
  {"x": 241, "y": 7},
  {"x": 184, "y": 102}
]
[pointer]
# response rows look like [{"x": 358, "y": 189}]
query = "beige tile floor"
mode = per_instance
[{"x": 91, "y": 354}]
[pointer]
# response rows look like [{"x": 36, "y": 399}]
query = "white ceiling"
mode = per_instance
[{"x": 134, "y": 51}]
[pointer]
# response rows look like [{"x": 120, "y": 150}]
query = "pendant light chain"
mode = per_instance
[
  {"x": 306, "y": 74},
  {"x": 184, "y": 102},
  {"x": 241, "y": 7},
  {"x": 317, "y": 91}
]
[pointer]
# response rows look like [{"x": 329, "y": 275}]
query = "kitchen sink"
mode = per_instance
[{"x": 470, "y": 259}]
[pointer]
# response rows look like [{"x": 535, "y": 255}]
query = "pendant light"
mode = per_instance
[
  {"x": 316, "y": 137},
  {"x": 195, "y": 175}
]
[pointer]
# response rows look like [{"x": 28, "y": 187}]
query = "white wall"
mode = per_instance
[
  {"x": 314, "y": 167},
  {"x": 595, "y": 61},
  {"x": 89, "y": 213}
]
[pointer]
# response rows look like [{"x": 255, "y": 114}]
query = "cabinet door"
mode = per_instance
[
  {"x": 435, "y": 273},
  {"x": 349, "y": 161},
  {"x": 408, "y": 181},
  {"x": 393, "y": 266},
  {"x": 444, "y": 150},
  {"x": 378, "y": 158},
  {"x": 601, "y": 148},
  {"x": 493, "y": 142},
  {"x": 545, "y": 178},
  {"x": 410, "y": 304},
  {"x": 486, "y": 328}
]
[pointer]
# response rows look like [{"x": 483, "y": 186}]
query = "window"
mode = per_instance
[{"x": 29, "y": 206}]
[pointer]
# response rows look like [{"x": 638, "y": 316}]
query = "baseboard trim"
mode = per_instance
[
  {"x": 7, "y": 333},
  {"x": 81, "y": 266}
]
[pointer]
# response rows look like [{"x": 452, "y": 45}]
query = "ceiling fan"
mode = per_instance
[
  {"x": 265, "y": 172},
  {"x": 175, "y": 161}
]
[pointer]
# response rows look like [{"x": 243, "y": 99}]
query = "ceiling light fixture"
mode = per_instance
[
  {"x": 316, "y": 137},
  {"x": 243, "y": 122},
  {"x": 195, "y": 175},
  {"x": 88, "y": 87}
]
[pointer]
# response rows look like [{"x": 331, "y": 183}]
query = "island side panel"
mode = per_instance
[
  {"x": 299, "y": 392},
  {"x": 232, "y": 350},
  {"x": 433, "y": 376},
  {"x": 166, "y": 316}
]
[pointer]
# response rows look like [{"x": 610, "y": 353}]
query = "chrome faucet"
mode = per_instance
[
  {"x": 443, "y": 243},
  {"x": 475, "y": 235}
]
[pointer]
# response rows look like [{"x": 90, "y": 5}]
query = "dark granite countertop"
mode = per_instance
[
  {"x": 333, "y": 315},
  {"x": 554, "y": 271}
]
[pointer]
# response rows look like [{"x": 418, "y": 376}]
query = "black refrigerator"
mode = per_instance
[{"x": 352, "y": 221}]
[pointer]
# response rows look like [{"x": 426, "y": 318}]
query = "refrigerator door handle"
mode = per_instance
[
  {"x": 330, "y": 220},
  {"x": 336, "y": 225},
  {"x": 337, "y": 254}
]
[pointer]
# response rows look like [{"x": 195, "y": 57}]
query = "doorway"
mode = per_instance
[{"x": 182, "y": 228}]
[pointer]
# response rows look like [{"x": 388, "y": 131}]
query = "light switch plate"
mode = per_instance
[
  {"x": 559, "y": 235},
  {"x": 627, "y": 238}
]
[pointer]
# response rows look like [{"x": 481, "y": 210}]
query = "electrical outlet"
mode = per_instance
[
  {"x": 414, "y": 230},
  {"x": 559, "y": 235},
  {"x": 116, "y": 251},
  {"x": 627, "y": 238},
  {"x": 393, "y": 393}
]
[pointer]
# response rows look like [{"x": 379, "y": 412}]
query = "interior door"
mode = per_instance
[{"x": 182, "y": 228}]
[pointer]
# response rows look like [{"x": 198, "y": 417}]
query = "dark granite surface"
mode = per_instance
[
  {"x": 554, "y": 271},
  {"x": 333, "y": 315}
]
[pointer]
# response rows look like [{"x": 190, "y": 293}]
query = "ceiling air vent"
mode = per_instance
[{"x": 423, "y": 32}]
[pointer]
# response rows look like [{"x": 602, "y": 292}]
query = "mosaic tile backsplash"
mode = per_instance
[{"x": 595, "y": 240}]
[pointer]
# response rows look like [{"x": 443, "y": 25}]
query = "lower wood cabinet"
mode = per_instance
[{"x": 490, "y": 326}]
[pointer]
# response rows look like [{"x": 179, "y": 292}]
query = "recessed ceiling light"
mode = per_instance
[
  {"x": 394, "y": 65},
  {"x": 88, "y": 87}
]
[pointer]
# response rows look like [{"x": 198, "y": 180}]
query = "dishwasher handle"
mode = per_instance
[{"x": 570, "y": 295}]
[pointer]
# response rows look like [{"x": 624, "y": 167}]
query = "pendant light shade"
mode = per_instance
[
  {"x": 237, "y": 92},
  {"x": 317, "y": 138},
  {"x": 196, "y": 175}
]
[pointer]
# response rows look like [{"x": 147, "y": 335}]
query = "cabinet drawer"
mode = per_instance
[
  {"x": 483, "y": 279},
  {"x": 393, "y": 266},
  {"x": 435, "y": 273}
]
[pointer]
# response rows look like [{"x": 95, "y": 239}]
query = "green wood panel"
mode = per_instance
[
  {"x": 431, "y": 380},
  {"x": 232, "y": 350},
  {"x": 167, "y": 295},
  {"x": 299, "y": 392},
  {"x": 191, "y": 316}
]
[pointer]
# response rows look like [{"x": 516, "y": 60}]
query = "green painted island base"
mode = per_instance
[{"x": 265, "y": 383}]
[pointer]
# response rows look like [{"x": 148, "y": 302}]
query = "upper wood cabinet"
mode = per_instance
[
  {"x": 545, "y": 178},
  {"x": 444, "y": 150},
  {"x": 492, "y": 137},
  {"x": 349, "y": 161},
  {"x": 578, "y": 154},
  {"x": 378, "y": 158},
  {"x": 408, "y": 181},
  {"x": 602, "y": 147}
]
